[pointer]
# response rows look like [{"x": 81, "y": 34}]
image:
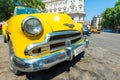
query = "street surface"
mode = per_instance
[{"x": 101, "y": 61}]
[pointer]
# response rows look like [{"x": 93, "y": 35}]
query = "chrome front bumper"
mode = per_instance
[{"x": 32, "y": 65}]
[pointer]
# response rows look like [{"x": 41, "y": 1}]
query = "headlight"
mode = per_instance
[{"x": 31, "y": 26}]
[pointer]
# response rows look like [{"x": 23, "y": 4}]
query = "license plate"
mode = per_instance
[{"x": 78, "y": 50}]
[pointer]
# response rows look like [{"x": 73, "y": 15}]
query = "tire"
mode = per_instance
[
  {"x": 98, "y": 32},
  {"x": 5, "y": 40},
  {"x": 11, "y": 56}
]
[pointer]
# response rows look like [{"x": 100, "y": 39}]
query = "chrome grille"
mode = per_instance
[
  {"x": 54, "y": 41},
  {"x": 63, "y": 36},
  {"x": 62, "y": 39},
  {"x": 57, "y": 46},
  {"x": 75, "y": 40}
]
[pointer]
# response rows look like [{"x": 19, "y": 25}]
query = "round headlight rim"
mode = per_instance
[{"x": 23, "y": 26}]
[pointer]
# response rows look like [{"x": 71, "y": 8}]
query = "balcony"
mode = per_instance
[{"x": 76, "y": 12}]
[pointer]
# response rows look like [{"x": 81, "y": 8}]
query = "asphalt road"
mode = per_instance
[{"x": 101, "y": 61}]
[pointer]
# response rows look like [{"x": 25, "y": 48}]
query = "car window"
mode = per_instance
[{"x": 24, "y": 10}]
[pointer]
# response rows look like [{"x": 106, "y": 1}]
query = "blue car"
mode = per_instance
[
  {"x": 107, "y": 30},
  {"x": 86, "y": 31}
]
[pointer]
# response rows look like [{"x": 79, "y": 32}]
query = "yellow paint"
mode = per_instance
[
  {"x": 93, "y": 29},
  {"x": 4, "y": 27},
  {"x": 50, "y": 22}
]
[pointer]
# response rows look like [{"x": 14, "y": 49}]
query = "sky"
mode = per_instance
[{"x": 96, "y": 7}]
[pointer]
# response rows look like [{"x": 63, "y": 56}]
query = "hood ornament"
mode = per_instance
[{"x": 69, "y": 25}]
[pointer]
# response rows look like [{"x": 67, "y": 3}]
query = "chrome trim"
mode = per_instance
[
  {"x": 32, "y": 65},
  {"x": 47, "y": 38},
  {"x": 23, "y": 28},
  {"x": 64, "y": 32},
  {"x": 65, "y": 53},
  {"x": 8, "y": 32},
  {"x": 76, "y": 38},
  {"x": 69, "y": 25},
  {"x": 31, "y": 47},
  {"x": 47, "y": 41},
  {"x": 86, "y": 41},
  {"x": 71, "y": 38}
]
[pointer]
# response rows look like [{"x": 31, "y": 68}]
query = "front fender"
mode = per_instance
[
  {"x": 4, "y": 31},
  {"x": 19, "y": 40}
]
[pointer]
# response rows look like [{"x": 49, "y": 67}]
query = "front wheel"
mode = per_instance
[
  {"x": 98, "y": 32},
  {"x": 4, "y": 39},
  {"x": 11, "y": 56}
]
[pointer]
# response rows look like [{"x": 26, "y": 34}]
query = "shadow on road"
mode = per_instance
[{"x": 54, "y": 71}]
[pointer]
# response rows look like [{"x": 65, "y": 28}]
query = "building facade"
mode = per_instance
[
  {"x": 87, "y": 22},
  {"x": 74, "y": 8},
  {"x": 96, "y": 21}
]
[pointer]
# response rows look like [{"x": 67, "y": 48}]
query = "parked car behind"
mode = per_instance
[
  {"x": 0, "y": 28},
  {"x": 38, "y": 41},
  {"x": 94, "y": 30}
]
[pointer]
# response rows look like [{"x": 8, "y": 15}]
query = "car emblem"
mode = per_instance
[{"x": 69, "y": 25}]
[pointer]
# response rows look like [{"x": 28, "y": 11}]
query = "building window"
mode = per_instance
[
  {"x": 80, "y": 17},
  {"x": 59, "y": 9},
  {"x": 72, "y": 0},
  {"x": 76, "y": 9},
  {"x": 72, "y": 17},
  {"x": 50, "y": 10},
  {"x": 72, "y": 6},
  {"x": 80, "y": 6},
  {"x": 64, "y": 8},
  {"x": 47, "y": 10},
  {"x": 55, "y": 9},
  {"x": 65, "y": 1},
  {"x": 59, "y": 2}
]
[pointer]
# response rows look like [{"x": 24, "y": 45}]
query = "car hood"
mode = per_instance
[{"x": 58, "y": 21}]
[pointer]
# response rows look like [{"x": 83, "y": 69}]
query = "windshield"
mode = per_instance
[{"x": 24, "y": 10}]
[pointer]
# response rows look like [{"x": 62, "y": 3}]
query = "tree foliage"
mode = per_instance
[
  {"x": 111, "y": 16},
  {"x": 7, "y": 6},
  {"x": 117, "y": 3}
]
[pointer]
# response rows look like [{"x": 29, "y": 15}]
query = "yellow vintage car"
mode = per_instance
[
  {"x": 38, "y": 41},
  {"x": 94, "y": 30}
]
